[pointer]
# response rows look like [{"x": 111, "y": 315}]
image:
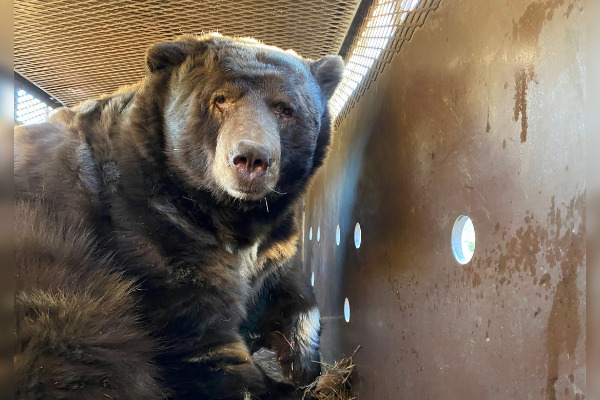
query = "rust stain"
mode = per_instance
[
  {"x": 526, "y": 34},
  {"x": 521, "y": 251},
  {"x": 560, "y": 242},
  {"x": 569, "y": 10},
  {"x": 564, "y": 327},
  {"x": 545, "y": 280},
  {"x": 476, "y": 280},
  {"x": 522, "y": 79},
  {"x": 527, "y": 30}
]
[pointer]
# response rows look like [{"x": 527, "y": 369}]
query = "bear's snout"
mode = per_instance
[{"x": 250, "y": 158}]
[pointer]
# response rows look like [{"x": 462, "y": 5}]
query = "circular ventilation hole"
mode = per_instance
[
  {"x": 463, "y": 239},
  {"x": 310, "y": 233},
  {"x": 347, "y": 310},
  {"x": 357, "y": 235},
  {"x": 312, "y": 279},
  {"x": 319, "y": 234},
  {"x": 337, "y": 235}
]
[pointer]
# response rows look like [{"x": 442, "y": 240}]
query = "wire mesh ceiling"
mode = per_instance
[{"x": 76, "y": 50}]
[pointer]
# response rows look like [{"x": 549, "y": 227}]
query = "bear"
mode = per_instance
[{"x": 156, "y": 228}]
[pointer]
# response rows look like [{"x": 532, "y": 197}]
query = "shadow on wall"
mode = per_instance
[{"x": 340, "y": 181}]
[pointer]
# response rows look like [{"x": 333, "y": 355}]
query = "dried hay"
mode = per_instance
[{"x": 334, "y": 382}]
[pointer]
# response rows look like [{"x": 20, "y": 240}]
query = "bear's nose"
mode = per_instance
[{"x": 251, "y": 158}]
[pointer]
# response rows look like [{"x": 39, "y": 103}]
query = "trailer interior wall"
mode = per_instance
[{"x": 482, "y": 114}]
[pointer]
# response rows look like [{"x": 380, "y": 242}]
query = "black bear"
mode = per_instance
[{"x": 153, "y": 224}]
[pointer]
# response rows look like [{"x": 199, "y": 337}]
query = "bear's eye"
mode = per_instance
[
  {"x": 221, "y": 102},
  {"x": 284, "y": 111}
]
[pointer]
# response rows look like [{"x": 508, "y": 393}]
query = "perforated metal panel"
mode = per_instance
[
  {"x": 76, "y": 50},
  {"x": 387, "y": 26},
  {"x": 29, "y": 109}
]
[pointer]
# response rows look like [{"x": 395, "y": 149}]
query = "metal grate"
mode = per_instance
[
  {"x": 76, "y": 50},
  {"x": 388, "y": 25},
  {"x": 29, "y": 109}
]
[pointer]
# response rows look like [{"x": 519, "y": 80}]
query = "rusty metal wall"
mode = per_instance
[
  {"x": 481, "y": 113},
  {"x": 592, "y": 16}
]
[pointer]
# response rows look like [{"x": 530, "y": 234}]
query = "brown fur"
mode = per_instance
[
  {"x": 139, "y": 190},
  {"x": 74, "y": 317}
]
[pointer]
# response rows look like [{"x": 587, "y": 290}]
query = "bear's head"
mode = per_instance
[{"x": 241, "y": 119}]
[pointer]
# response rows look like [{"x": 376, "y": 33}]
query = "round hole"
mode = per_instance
[
  {"x": 319, "y": 234},
  {"x": 337, "y": 235},
  {"x": 347, "y": 310},
  {"x": 357, "y": 235},
  {"x": 312, "y": 279},
  {"x": 310, "y": 233},
  {"x": 463, "y": 239}
]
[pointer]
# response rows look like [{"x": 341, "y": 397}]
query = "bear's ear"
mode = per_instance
[
  {"x": 167, "y": 54},
  {"x": 328, "y": 72}
]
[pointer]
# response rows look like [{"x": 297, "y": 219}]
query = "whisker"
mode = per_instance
[{"x": 273, "y": 190}]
